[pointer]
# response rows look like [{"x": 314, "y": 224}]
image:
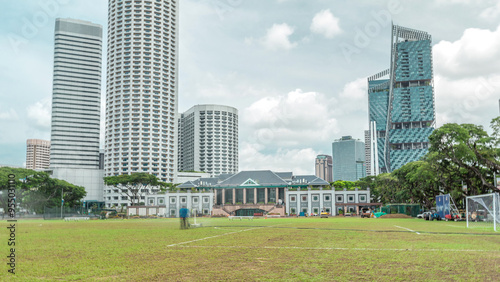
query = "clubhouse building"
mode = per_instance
[{"x": 260, "y": 192}]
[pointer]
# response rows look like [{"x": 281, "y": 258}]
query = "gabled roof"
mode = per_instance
[
  {"x": 287, "y": 176},
  {"x": 251, "y": 178}
]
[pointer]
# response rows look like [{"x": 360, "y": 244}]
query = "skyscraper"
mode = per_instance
[
  {"x": 323, "y": 167},
  {"x": 76, "y": 94},
  {"x": 348, "y": 156},
  {"x": 37, "y": 154},
  {"x": 401, "y": 107},
  {"x": 141, "y": 95},
  {"x": 209, "y": 139}
]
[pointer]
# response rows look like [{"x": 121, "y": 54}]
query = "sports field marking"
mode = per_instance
[
  {"x": 407, "y": 229},
  {"x": 229, "y": 233},
  {"x": 210, "y": 237},
  {"x": 341, "y": 249}
]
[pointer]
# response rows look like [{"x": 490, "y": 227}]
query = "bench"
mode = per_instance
[
  {"x": 76, "y": 218},
  {"x": 232, "y": 217}
]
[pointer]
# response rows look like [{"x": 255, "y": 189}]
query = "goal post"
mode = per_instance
[{"x": 483, "y": 211}]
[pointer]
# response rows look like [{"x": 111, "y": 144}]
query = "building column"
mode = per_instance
[
  {"x": 234, "y": 196},
  {"x": 244, "y": 195},
  {"x": 255, "y": 196},
  {"x": 277, "y": 193},
  {"x": 266, "y": 200},
  {"x": 321, "y": 197},
  {"x": 223, "y": 191}
]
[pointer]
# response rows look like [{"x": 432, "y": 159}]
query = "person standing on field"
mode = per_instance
[{"x": 184, "y": 214}]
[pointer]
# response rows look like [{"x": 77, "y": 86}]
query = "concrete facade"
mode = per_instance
[
  {"x": 142, "y": 84},
  {"x": 76, "y": 95},
  {"x": 323, "y": 167},
  {"x": 208, "y": 139},
  {"x": 37, "y": 154}
]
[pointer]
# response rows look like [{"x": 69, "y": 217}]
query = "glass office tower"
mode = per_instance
[{"x": 401, "y": 107}]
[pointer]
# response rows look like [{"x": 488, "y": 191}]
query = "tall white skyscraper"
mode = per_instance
[
  {"x": 76, "y": 94},
  {"x": 141, "y": 95},
  {"x": 209, "y": 139}
]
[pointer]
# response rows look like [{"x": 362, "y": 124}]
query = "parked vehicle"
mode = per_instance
[
  {"x": 423, "y": 214},
  {"x": 427, "y": 215},
  {"x": 324, "y": 215}
]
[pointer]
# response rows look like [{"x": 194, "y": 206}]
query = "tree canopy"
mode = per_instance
[
  {"x": 460, "y": 155},
  {"x": 36, "y": 189},
  {"x": 134, "y": 186}
]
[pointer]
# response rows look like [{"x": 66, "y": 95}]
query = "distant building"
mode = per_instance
[
  {"x": 37, "y": 154},
  {"x": 348, "y": 159},
  {"x": 208, "y": 139},
  {"x": 401, "y": 102},
  {"x": 76, "y": 95},
  {"x": 323, "y": 167},
  {"x": 368, "y": 165}
]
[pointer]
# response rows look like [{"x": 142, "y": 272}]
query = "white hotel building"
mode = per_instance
[
  {"x": 141, "y": 98},
  {"x": 208, "y": 139}
]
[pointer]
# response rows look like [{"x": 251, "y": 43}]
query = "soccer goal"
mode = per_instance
[{"x": 483, "y": 211}]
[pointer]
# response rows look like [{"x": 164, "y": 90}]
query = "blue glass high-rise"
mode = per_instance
[{"x": 401, "y": 107}]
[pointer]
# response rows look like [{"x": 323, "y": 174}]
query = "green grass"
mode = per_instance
[{"x": 311, "y": 249}]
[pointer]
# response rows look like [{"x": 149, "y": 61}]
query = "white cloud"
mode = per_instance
[
  {"x": 277, "y": 37},
  {"x": 326, "y": 24},
  {"x": 11, "y": 114},
  {"x": 40, "y": 113},
  {"x": 477, "y": 52},
  {"x": 467, "y": 78},
  {"x": 491, "y": 13},
  {"x": 291, "y": 120},
  {"x": 299, "y": 161}
]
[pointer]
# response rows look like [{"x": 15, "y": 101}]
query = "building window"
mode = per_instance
[
  {"x": 362, "y": 198},
  {"x": 183, "y": 200},
  {"x": 327, "y": 210},
  {"x": 304, "y": 198},
  {"x": 304, "y": 210},
  {"x": 327, "y": 198},
  {"x": 172, "y": 200},
  {"x": 340, "y": 199},
  {"x": 205, "y": 211},
  {"x": 350, "y": 198},
  {"x": 151, "y": 201},
  {"x": 206, "y": 200},
  {"x": 292, "y": 210},
  {"x": 195, "y": 200},
  {"x": 172, "y": 212},
  {"x": 315, "y": 198},
  {"x": 292, "y": 199},
  {"x": 160, "y": 201}
]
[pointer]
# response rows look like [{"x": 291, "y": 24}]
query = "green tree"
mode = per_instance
[
  {"x": 467, "y": 147},
  {"x": 36, "y": 189},
  {"x": 134, "y": 186}
]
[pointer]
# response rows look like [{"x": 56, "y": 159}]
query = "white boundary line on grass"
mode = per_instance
[
  {"x": 210, "y": 237},
  {"x": 229, "y": 233},
  {"x": 407, "y": 229},
  {"x": 341, "y": 249}
]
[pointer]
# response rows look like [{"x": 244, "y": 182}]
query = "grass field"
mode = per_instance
[{"x": 301, "y": 249}]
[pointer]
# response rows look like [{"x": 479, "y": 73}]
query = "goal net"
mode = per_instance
[{"x": 483, "y": 211}]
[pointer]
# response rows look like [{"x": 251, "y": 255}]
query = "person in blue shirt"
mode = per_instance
[{"x": 184, "y": 214}]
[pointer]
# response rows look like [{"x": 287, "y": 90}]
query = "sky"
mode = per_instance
[{"x": 296, "y": 70}]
